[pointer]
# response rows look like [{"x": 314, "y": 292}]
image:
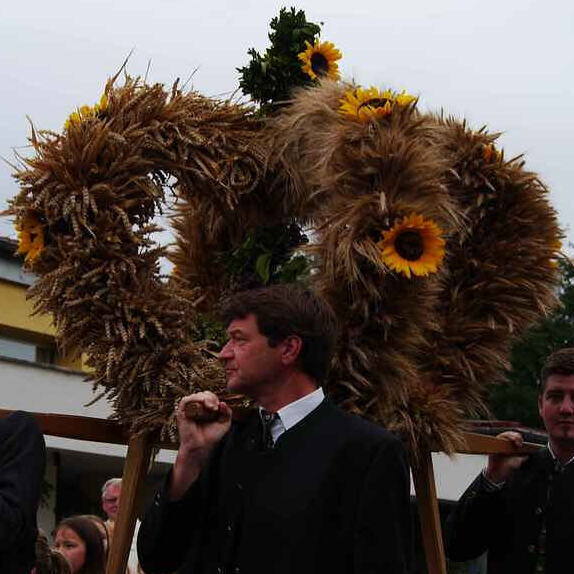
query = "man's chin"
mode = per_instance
[
  {"x": 234, "y": 385},
  {"x": 565, "y": 433}
]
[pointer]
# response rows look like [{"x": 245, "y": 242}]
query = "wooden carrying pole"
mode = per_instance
[
  {"x": 425, "y": 489},
  {"x": 137, "y": 462},
  {"x": 135, "y": 470},
  {"x": 423, "y": 477}
]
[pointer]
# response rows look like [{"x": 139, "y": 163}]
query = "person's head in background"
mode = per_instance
[
  {"x": 111, "y": 492},
  {"x": 48, "y": 561},
  {"x": 80, "y": 542},
  {"x": 556, "y": 402}
]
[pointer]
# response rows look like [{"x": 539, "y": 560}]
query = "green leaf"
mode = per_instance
[{"x": 262, "y": 267}]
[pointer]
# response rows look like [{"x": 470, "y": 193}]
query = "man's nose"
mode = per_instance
[
  {"x": 567, "y": 405},
  {"x": 225, "y": 353}
]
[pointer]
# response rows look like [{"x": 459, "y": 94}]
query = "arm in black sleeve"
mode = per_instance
[
  {"x": 166, "y": 533},
  {"x": 383, "y": 537},
  {"x": 170, "y": 530},
  {"x": 476, "y": 522},
  {"x": 22, "y": 463}
]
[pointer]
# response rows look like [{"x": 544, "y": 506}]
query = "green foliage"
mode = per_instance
[
  {"x": 517, "y": 399},
  {"x": 210, "y": 329},
  {"x": 269, "y": 79},
  {"x": 266, "y": 256}
]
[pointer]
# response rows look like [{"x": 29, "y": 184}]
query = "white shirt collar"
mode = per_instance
[
  {"x": 291, "y": 414},
  {"x": 556, "y": 458},
  {"x": 296, "y": 411}
]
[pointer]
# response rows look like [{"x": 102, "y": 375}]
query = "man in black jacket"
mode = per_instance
[
  {"x": 299, "y": 486},
  {"x": 22, "y": 462},
  {"x": 521, "y": 509}
]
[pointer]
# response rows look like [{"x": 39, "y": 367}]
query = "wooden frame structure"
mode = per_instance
[{"x": 139, "y": 456}]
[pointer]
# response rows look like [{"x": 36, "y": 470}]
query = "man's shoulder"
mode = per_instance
[{"x": 357, "y": 428}]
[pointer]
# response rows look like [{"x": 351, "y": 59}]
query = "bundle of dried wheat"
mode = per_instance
[
  {"x": 83, "y": 213},
  {"x": 434, "y": 251}
]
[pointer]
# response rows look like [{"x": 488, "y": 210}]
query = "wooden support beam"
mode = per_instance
[
  {"x": 135, "y": 469},
  {"x": 486, "y": 444},
  {"x": 423, "y": 476},
  {"x": 79, "y": 428},
  {"x": 109, "y": 431}
]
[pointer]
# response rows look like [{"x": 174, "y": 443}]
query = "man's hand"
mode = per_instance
[
  {"x": 501, "y": 466},
  {"x": 196, "y": 440}
]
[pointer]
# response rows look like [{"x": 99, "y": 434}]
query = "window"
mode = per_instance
[{"x": 26, "y": 351}]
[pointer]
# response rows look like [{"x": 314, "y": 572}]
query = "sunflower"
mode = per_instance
[
  {"x": 30, "y": 237},
  {"x": 363, "y": 105},
  {"x": 87, "y": 112},
  {"x": 413, "y": 246},
  {"x": 320, "y": 60}
]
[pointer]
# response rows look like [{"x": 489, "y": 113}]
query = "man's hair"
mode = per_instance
[
  {"x": 560, "y": 362},
  {"x": 111, "y": 482},
  {"x": 284, "y": 310}
]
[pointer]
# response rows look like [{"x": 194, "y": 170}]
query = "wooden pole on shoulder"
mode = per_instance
[{"x": 135, "y": 469}]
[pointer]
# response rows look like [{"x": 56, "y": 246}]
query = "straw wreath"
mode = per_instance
[
  {"x": 434, "y": 251},
  {"x": 84, "y": 215},
  {"x": 423, "y": 332}
]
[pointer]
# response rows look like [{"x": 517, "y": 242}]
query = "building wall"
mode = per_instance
[
  {"x": 75, "y": 469},
  {"x": 17, "y": 319},
  {"x": 16, "y": 311}
]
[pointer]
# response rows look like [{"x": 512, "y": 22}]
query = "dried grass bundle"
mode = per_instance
[
  {"x": 421, "y": 337},
  {"x": 416, "y": 352},
  {"x": 93, "y": 191}
]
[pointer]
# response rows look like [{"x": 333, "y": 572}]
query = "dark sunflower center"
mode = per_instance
[
  {"x": 319, "y": 64},
  {"x": 374, "y": 103},
  {"x": 409, "y": 245}
]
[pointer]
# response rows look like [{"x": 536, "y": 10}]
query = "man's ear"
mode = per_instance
[{"x": 291, "y": 349}]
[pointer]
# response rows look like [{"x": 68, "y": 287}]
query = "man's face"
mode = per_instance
[
  {"x": 250, "y": 363},
  {"x": 111, "y": 500},
  {"x": 556, "y": 407}
]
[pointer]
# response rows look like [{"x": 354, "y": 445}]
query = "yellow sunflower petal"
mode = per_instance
[
  {"x": 413, "y": 246},
  {"x": 30, "y": 237},
  {"x": 365, "y": 105},
  {"x": 319, "y": 60}
]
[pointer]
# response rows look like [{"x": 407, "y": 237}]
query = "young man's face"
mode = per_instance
[
  {"x": 556, "y": 407},
  {"x": 250, "y": 363},
  {"x": 111, "y": 500}
]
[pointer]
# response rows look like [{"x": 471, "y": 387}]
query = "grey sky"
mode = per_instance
[{"x": 507, "y": 64}]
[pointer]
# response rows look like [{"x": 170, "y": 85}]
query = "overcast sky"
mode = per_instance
[{"x": 507, "y": 64}]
